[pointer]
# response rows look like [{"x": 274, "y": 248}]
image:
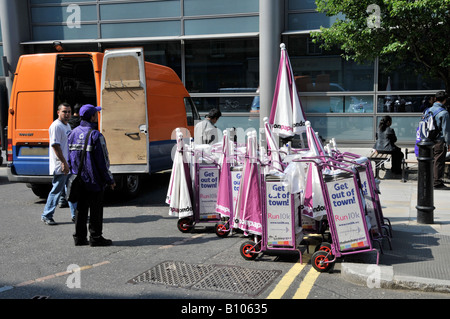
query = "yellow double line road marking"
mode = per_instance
[
  {"x": 307, "y": 284},
  {"x": 287, "y": 280}
]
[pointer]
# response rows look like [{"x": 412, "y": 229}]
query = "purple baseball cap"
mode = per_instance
[{"x": 88, "y": 110}]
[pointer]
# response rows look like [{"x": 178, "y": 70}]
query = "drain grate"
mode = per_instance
[
  {"x": 174, "y": 273},
  {"x": 238, "y": 280},
  {"x": 209, "y": 277}
]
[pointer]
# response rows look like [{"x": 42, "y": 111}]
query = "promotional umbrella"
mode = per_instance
[
  {"x": 224, "y": 203},
  {"x": 248, "y": 206},
  {"x": 286, "y": 117},
  {"x": 313, "y": 200},
  {"x": 314, "y": 143},
  {"x": 272, "y": 147},
  {"x": 180, "y": 191}
]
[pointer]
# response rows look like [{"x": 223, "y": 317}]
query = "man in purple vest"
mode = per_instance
[{"x": 95, "y": 175}]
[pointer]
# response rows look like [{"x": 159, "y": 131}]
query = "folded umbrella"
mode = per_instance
[
  {"x": 179, "y": 193},
  {"x": 224, "y": 203},
  {"x": 286, "y": 116},
  {"x": 248, "y": 206}
]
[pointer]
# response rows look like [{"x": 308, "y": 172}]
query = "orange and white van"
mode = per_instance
[{"x": 142, "y": 105}]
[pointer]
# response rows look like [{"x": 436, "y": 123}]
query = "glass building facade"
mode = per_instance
[{"x": 214, "y": 47}]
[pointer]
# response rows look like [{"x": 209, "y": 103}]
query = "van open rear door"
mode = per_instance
[{"x": 124, "y": 118}]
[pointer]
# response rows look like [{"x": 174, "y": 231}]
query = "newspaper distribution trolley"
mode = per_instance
[
  {"x": 205, "y": 181},
  {"x": 192, "y": 191},
  {"x": 226, "y": 224},
  {"x": 346, "y": 215},
  {"x": 281, "y": 230},
  {"x": 380, "y": 224}
]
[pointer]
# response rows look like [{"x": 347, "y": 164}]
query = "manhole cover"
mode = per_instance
[
  {"x": 174, "y": 273},
  {"x": 238, "y": 280},
  {"x": 209, "y": 277}
]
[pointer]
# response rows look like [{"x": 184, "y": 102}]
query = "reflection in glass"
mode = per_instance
[
  {"x": 406, "y": 78},
  {"x": 242, "y": 124},
  {"x": 358, "y": 104},
  {"x": 213, "y": 66},
  {"x": 403, "y": 103},
  {"x": 144, "y": 10},
  {"x": 343, "y": 128},
  {"x": 317, "y": 70},
  {"x": 405, "y": 128},
  {"x": 198, "y": 7},
  {"x": 310, "y": 20},
  {"x": 301, "y": 5},
  {"x": 226, "y": 103},
  {"x": 337, "y": 104}
]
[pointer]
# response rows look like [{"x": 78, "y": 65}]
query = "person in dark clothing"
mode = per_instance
[
  {"x": 75, "y": 120},
  {"x": 441, "y": 143},
  {"x": 95, "y": 175},
  {"x": 427, "y": 103},
  {"x": 385, "y": 144}
]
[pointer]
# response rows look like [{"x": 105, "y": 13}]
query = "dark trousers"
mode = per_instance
[
  {"x": 439, "y": 152},
  {"x": 90, "y": 202},
  {"x": 397, "y": 157}
]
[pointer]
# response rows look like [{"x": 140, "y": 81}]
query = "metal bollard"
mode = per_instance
[{"x": 425, "y": 197}]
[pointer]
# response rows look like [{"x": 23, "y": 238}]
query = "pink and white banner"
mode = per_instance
[
  {"x": 286, "y": 117},
  {"x": 180, "y": 186},
  {"x": 248, "y": 206}
]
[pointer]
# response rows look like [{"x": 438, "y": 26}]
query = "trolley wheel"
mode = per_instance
[
  {"x": 248, "y": 250},
  {"x": 185, "y": 225},
  {"x": 318, "y": 261},
  {"x": 324, "y": 246},
  {"x": 222, "y": 230}
]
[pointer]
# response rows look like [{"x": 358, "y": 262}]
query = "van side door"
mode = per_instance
[{"x": 124, "y": 119}]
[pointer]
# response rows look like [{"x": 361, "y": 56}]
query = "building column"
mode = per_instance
[
  {"x": 271, "y": 19},
  {"x": 13, "y": 29}
]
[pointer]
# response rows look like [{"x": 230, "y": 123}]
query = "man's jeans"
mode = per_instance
[{"x": 59, "y": 183}]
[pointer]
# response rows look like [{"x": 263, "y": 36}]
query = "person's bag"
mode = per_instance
[
  {"x": 427, "y": 127},
  {"x": 74, "y": 182},
  {"x": 73, "y": 188}
]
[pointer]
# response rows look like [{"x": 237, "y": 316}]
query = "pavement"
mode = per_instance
[{"x": 420, "y": 253}]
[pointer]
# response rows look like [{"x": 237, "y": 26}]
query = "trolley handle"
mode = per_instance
[
  {"x": 352, "y": 162},
  {"x": 329, "y": 163}
]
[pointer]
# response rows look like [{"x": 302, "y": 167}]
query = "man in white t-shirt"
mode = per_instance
[
  {"x": 205, "y": 132},
  {"x": 59, "y": 168}
]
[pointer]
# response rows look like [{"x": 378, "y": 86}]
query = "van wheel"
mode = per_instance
[
  {"x": 131, "y": 185},
  {"x": 41, "y": 190}
]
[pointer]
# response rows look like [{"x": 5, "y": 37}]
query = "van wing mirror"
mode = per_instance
[{"x": 143, "y": 128}]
